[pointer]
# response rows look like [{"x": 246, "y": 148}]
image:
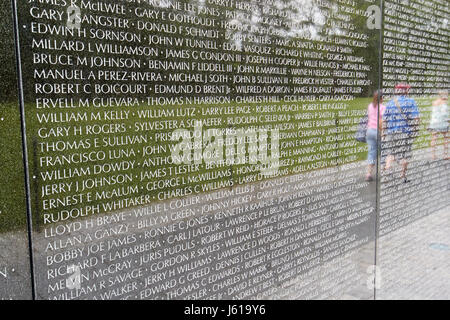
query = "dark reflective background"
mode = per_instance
[
  {"x": 207, "y": 149},
  {"x": 15, "y": 278}
]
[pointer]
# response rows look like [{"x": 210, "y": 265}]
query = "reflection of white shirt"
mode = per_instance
[{"x": 439, "y": 117}]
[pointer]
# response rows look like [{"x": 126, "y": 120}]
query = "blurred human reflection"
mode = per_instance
[
  {"x": 375, "y": 117},
  {"x": 439, "y": 123},
  {"x": 401, "y": 122}
]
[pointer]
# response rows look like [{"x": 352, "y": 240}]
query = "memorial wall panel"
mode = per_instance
[
  {"x": 224, "y": 149},
  {"x": 15, "y": 277},
  {"x": 414, "y": 225},
  {"x": 200, "y": 149}
]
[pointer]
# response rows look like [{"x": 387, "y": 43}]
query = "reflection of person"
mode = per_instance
[
  {"x": 439, "y": 123},
  {"x": 375, "y": 113},
  {"x": 401, "y": 120}
]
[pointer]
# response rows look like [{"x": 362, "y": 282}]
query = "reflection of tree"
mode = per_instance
[
  {"x": 8, "y": 82},
  {"x": 286, "y": 20},
  {"x": 303, "y": 19},
  {"x": 306, "y": 19}
]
